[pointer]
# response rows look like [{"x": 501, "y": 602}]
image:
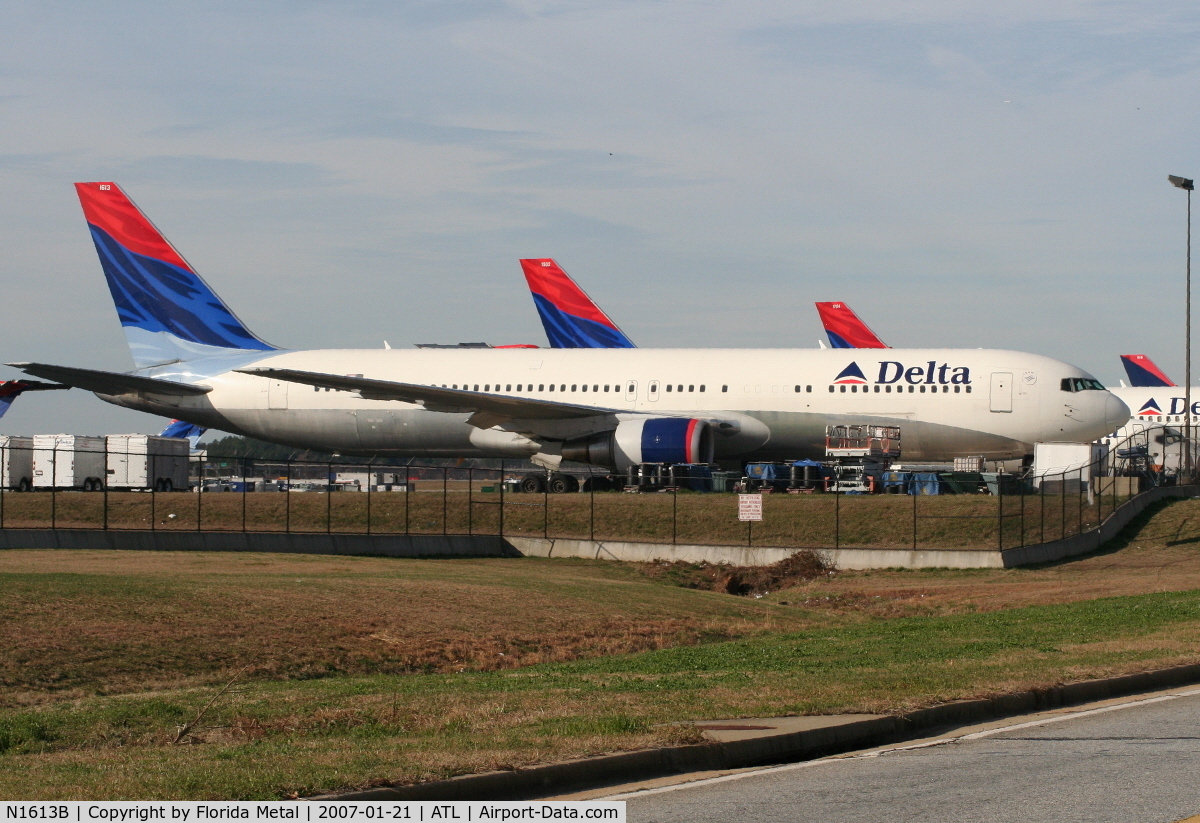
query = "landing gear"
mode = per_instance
[
  {"x": 533, "y": 484},
  {"x": 562, "y": 484}
]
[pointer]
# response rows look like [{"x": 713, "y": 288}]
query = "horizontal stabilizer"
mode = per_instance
[
  {"x": 1143, "y": 372},
  {"x": 107, "y": 382},
  {"x": 436, "y": 398}
]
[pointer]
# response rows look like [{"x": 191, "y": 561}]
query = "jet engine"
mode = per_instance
[{"x": 645, "y": 440}]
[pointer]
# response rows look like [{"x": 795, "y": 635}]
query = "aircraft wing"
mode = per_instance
[
  {"x": 108, "y": 382},
  {"x": 494, "y": 407}
]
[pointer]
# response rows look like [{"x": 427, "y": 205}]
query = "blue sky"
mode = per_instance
[{"x": 348, "y": 172}]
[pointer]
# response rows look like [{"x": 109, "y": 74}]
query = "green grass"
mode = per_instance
[{"x": 270, "y": 738}]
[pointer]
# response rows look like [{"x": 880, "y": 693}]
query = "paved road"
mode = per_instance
[{"x": 1138, "y": 761}]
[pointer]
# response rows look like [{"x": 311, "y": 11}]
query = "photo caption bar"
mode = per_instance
[{"x": 194, "y": 811}]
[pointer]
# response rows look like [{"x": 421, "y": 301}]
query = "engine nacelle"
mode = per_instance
[{"x": 645, "y": 440}]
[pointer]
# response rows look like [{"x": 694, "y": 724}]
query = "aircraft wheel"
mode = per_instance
[
  {"x": 533, "y": 484},
  {"x": 560, "y": 483}
]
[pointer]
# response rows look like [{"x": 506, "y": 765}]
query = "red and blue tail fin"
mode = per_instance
[
  {"x": 182, "y": 428},
  {"x": 1142, "y": 372},
  {"x": 845, "y": 330},
  {"x": 10, "y": 390},
  {"x": 167, "y": 310},
  {"x": 571, "y": 318}
]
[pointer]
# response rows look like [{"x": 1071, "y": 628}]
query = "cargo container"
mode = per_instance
[
  {"x": 16, "y": 463},
  {"x": 68, "y": 461},
  {"x": 146, "y": 461}
]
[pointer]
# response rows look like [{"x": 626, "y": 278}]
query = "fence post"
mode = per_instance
[
  {"x": 243, "y": 467},
  {"x": 408, "y": 490},
  {"x": 328, "y": 497},
  {"x": 470, "y": 500},
  {"x": 502, "y": 497},
  {"x": 151, "y": 478},
  {"x": 837, "y": 520},
  {"x": 546, "y": 508},
  {"x": 287, "y": 501},
  {"x": 1000, "y": 508},
  {"x": 911, "y": 490},
  {"x": 7, "y": 477},
  {"x": 54, "y": 486},
  {"x": 675, "y": 516},
  {"x": 591, "y": 505},
  {"x": 104, "y": 485},
  {"x": 369, "y": 485},
  {"x": 200, "y": 472}
]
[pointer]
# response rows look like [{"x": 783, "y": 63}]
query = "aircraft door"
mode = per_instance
[
  {"x": 277, "y": 394},
  {"x": 631, "y": 391},
  {"x": 1002, "y": 391},
  {"x": 652, "y": 390}
]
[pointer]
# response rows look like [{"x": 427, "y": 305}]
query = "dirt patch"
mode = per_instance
[{"x": 745, "y": 581}]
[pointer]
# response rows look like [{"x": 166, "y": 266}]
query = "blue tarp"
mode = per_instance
[
  {"x": 805, "y": 463},
  {"x": 898, "y": 480},
  {"x": 761, "y": 471},
  {"x": 924, "y": 483}
]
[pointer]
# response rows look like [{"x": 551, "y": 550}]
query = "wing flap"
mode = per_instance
[
  {"x": 107, "y": 382},
  {"x": 488, "y": 407}
]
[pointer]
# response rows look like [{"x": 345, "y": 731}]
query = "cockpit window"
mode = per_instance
[{"x": 1074, "y": 384}]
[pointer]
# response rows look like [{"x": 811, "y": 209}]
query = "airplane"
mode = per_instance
[
  {"x": 613, "y": 407},
  {"x": 1151, "y": 408},
  {"x": 572, "y": 319}
]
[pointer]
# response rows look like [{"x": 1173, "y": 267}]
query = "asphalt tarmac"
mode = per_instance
[{"x": 1136, "y": 759}]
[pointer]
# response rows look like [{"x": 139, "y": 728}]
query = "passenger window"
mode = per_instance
[
  {"x": 584, "y": 387},
  {"x": 724, "y": 388},
  {"x": 912, "y": 389},
  {"x": 476, "y": 387},
  {"x": 809, "y": 389},
  {"x": 887, "y": 389},
  {"x": 922, "y": 390},
  {"x": 957, "y": 389},
  {"x": 701, "y": 387},
  {"x": 843, "y": 388},
  {"x": 681, "y": 387},
  {"x": 691, "y": 388},
  {"x": 487, "y": 386},
  {"x": 542, "y": 386},
  {"x": 455, "y": 386},
  {"x": 797, "y": 389},
  {"x": 606, "y": 388},
  {"x": 551, "y": 387},
  {"x": 572, "y": 387},
  {"x": 877, "y": 390},
  {"x": 968, "y": 389},
  {"x": 669, "y": 387},
  {"x": 831, "y": 389}
]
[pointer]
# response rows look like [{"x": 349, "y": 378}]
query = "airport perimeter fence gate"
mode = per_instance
[{"x": 233, "y": 494}]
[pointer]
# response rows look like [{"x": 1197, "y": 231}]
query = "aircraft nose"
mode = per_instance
[{"x": 1116, "y": 413}]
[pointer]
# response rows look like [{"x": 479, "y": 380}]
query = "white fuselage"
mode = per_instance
[
  {"x": 771, "y": 403},
  {"x": 1153, "y": 409}
]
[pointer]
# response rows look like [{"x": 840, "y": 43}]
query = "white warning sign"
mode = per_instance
[{"x": 750, "y": 507}]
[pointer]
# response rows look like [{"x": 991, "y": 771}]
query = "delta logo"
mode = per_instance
[
  {"x": 851, "y": 374},
  {"x": 1149, "y": 409}
]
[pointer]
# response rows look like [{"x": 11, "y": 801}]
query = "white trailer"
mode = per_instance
[
  {"x": 146, "y": 461},
  {"x": 16, "y": 463},
  {"x": 68, "y": 461}
]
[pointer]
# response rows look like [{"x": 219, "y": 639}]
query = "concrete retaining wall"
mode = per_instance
[{"x": 435, "y": 545}]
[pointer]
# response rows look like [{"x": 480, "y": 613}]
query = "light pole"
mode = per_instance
[{"x": 1186, "y": 185}]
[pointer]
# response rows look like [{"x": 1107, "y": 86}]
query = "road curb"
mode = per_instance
[{"x": 612, "y": 769}]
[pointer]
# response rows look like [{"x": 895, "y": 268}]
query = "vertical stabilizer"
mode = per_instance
[
  {"x": 1142, "y": 372},
  {"x": 167, "y": 310},
  {"x": 845, "y": 329},
  {"x": 571, "y": 318}
]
